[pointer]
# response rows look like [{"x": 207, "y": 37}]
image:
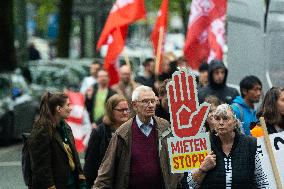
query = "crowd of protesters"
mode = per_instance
[{"x": 131, "y": 124}]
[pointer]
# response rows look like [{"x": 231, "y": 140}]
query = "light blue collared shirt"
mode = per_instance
[{"x": 146, "y": 129}]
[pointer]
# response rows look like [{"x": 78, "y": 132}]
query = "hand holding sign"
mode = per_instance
[
  {"x": 209, "y": 162},
  {"x": 186, "y": 115}
]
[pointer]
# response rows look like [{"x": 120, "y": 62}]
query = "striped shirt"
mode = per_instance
[{"x": 260, "y": 176}]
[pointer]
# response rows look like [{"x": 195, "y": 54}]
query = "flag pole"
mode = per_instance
[
  {"x": 159, "y": 50},
  {"x": 270, "y": 153},
  {"x": 126, "y": 58}
]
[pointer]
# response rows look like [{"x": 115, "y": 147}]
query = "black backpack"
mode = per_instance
[{"x": 26, "y": 161}]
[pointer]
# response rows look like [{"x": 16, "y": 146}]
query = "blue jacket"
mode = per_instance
[{"x": 246, "y": 115}]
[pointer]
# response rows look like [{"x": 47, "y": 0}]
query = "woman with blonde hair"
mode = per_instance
[
  {"x": 117, "y": 112},
  {"x": 54, "y": 160},
  {"x": 233, "y": 162}
]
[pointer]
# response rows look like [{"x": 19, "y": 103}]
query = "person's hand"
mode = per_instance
[
  {"x": 209, "y": 162},
  {"x": 94, "y": 125},
  {"x": 186, "y": 114},
  {"x": 89, "y": 93}
]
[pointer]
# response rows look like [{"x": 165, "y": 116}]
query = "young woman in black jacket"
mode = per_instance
[{"x": 54, "y": 160}]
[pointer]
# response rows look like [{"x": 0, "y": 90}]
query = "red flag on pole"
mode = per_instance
[
  {"x": 123, "y": 13},
  {"x": 78, "y": 120},
  {"x": 203, "y": 13},
  {"x": 217, "y": 39},
  {"x": 116, "y": 42},
  {"x": 159, "y": 31}
]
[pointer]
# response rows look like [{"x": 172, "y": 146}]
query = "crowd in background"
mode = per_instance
[
  {"x": 131, "y": 124},
  {"x": 212, "y": 88}
]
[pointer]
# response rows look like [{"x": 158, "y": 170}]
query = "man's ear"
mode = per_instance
[
  {"x": 244, "y": 91},
  {"x": 134, "y": 105}
]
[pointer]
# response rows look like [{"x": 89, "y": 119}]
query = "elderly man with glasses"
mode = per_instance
[{"x": 137, "y": 156}]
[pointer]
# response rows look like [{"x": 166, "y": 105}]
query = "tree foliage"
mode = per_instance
[
  {"x": 177, "y": 7},
  {"x": 43, "y": 9},
  {"x": 174, "y": 5}
]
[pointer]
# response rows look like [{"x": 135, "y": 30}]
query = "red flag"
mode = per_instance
[
  {"x": 216, "y": 39},
  {"x": 160, "y": 26},
  {"x": 123, "y": 13},
  {"x": 78, "y": 120},
  {"x": 203, "y": 13},
  {"x": 116, "y": 43}
]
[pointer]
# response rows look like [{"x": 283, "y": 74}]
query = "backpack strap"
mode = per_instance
[{"x": 240, "y": 109}]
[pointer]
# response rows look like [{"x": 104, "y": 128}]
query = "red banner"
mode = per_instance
[
  {"x": 217, "y": 39},
  {"x": 203, "y": 14},
  {"x": 79, "y": 120}
]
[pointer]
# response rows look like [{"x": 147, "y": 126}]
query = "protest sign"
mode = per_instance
[
  {"x": 188, "y": 153},
  {"x": 277, "y": 141},
  {"x": 189, "y": 146}
]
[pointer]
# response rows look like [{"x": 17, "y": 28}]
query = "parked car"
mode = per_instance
[
  {"x": 56, "y": 76},
  {"x": 18, "y": 107}
]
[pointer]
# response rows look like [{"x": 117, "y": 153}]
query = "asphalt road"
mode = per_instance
[{"x": 10, "y": 167}]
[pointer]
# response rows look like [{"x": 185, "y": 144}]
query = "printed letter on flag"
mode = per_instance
[{"x": 201, "y": 24}]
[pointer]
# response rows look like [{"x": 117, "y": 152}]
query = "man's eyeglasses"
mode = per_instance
[
  {"x": 147, "y": 101},
  {"x": 123, "y": 110}
]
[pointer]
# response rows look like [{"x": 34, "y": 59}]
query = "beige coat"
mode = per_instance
[{"x": 114, "y": 170}]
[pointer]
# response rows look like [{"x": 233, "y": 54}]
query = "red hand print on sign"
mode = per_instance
[{"x": 186, "y": 114}]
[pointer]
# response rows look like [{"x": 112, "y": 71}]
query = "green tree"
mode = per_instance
[
  {"x": 7, "y": 50},
  {"x": 43, "y": 9},
  {"x": 179, "y": 7}
]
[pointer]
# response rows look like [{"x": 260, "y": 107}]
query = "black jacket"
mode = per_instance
[
  {"x": 243, "y": 164},
  {"x": 90, "y": 103},
  {"x": 50, "y": 164},
  {"x": 222, "y": 91},
  {"x": 97, "y": 146}
]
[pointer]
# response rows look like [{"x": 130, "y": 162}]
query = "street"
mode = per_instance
[{"x": 10, "y": 167}]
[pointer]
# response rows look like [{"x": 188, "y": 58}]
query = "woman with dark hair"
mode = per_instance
[
  {"x": 54, "y": 159},
  {"x": 117, "y": 112},
  {"x": 272, "y": 109}
]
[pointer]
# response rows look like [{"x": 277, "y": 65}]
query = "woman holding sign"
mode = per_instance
[{"x": 233, "y": 162}]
